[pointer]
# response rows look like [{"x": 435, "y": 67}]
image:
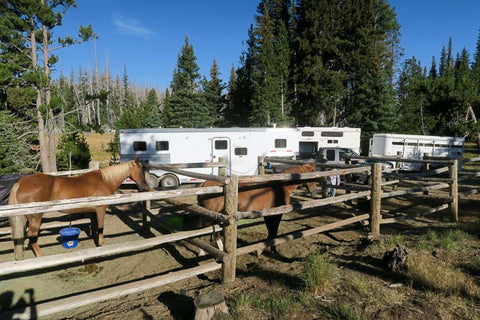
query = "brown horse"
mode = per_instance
[
  {"x": 261, "y": 196},
  {"x": 43, "y": 187}
]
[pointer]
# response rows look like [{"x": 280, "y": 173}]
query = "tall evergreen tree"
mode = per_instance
[
  {"x": 213, "y": 96},
  {"x": 185, "y": 107}
]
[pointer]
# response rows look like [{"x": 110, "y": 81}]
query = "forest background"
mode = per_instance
[{"x": 305, "y": 63}]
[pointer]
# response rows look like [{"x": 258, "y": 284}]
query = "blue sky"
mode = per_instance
[{"x": 146, "y": 36}]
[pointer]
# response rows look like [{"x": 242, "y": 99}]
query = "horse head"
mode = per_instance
[{"x": 137, "y": 174}]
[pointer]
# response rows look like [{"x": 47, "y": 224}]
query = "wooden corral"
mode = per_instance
[{"x": 226, "y": 260}]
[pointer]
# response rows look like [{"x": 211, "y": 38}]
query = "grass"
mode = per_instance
[
  {"x": 471, "y": 151},
  {"x": 431, "y": 273},
  {"x": 448, "y": 239},
  {"x": 319, "y": 275},
  {"x": 343, "y": 311},
  {"x": 98, "y": 143}
]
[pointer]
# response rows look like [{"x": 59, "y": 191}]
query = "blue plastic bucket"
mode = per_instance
[{"x": 69, "y": 237}]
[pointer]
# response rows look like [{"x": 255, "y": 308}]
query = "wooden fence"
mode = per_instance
[{"x": 225, "y": 260}]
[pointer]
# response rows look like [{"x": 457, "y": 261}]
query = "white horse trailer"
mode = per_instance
[
  {"x": 313, "y": 139},
  {"x": 240, "y": 147},
  {"x": 414, "y": 147}
]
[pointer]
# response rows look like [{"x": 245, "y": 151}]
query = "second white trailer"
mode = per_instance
[{"x": 414, "y": 147}]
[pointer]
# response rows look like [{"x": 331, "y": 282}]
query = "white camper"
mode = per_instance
[
  {"x": 240, "y": 147},
  {"x": 414, "y": 147},
  {"x": 313, "y": 139}
]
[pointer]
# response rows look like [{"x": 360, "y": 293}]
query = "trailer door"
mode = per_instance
[{"x": 221, "y": 147}]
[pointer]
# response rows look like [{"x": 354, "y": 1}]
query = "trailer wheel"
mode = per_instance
[
  {"x": 152, "y": 180},
  {"x": 168, "y": 181}
]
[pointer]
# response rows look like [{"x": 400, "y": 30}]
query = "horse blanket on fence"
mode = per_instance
[{"x": 6, "y": 183}]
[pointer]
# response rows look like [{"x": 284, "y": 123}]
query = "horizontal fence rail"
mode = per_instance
[{"x": 62, "y": 205}]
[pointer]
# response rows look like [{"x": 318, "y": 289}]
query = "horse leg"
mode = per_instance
[
  {"x": 272, "y": 223},
  {"x": 93, "y": 226},
  {"x": 34, "y": 222},
  {"x": 100, "y": 219}
]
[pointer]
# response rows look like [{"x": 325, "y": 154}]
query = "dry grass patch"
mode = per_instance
[{"x": 428, "y": 272}]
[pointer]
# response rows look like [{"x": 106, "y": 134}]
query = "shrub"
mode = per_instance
[{"x": 73, "y": 152}]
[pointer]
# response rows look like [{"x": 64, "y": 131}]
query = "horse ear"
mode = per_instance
[{"x": 137, "y": 160}]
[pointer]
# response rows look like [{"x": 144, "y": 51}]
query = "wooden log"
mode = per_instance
[
  {"x": 220, "y": 163},
  {"x": 17, "y": 225},
  {"x": 300, "y": 176},
  {"x": 288, "y": 161},
  {"x": 222, "y": 170},
  {"x": 388, "y": 183},
  {"x": 62, "y": 205},
  {"x": 261, "y": 165},
  {"x": 210, "y": 304},
  {"x": 231, "y": 206},
  {"x": 419, "y": 174},
  {"x": 427, "y": 179},
  {"x": 411, "y": 216},
  {"x": 197, "y": 175},
  {"x": 76, "y": 301},
  {"x": 71, "y": 172},
  {"x": 301, "y": 206},
  {"x": 413, "y": 190},
  {"x": 376, "y": 202},
  {"x": 299, "y": 234},
  {"x": 83, "y": 255},
  {"x": 195, "y": 208},
  {"x": 468, "y": 175},
  {"x": 447, "y": 161},
  {"x": 216, "y": 253},
  {"x": 453, "y": 190}
]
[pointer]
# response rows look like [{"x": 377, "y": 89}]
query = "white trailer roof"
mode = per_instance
[{"x": 415, "y": 137}]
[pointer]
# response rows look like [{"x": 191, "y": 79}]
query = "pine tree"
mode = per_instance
[
  {"x": 185, "y": 107},
  {"x": 213, "y": 97}
]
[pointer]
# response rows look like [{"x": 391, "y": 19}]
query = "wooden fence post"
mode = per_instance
[
  {"x": 426, "y": 167},
  {"x": 348, "y": 177},
  {"x": 261, "y": 165},
  {"x": 230, "y": 231},
  {"x": 17, "y": 224},
  {"x": 454, "y": 190},
  {"x": 146, "y": 210},
  {"x": 376, "y": 201},
  {"x": 222, "y": 171}
]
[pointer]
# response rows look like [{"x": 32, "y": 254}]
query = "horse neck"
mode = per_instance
[{"x": 115, "y": 175}]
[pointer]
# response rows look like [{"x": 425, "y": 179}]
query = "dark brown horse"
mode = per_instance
[
  {"x": 43, "y": 187},
  {"x": 261, "y": 196}
]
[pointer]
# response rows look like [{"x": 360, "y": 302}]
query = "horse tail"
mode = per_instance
[{"x": 17, "y": 225}]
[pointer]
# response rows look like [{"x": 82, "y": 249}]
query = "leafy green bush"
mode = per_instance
[{"x": 73, "y": 152}]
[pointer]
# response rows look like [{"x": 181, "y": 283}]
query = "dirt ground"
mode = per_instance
[{"x": 175, "y": 301}]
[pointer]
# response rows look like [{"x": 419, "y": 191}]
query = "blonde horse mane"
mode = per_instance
[{"x": 117, "y": 173}]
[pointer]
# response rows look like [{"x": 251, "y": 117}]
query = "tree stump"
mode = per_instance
[{"x": 209, "y": 304}]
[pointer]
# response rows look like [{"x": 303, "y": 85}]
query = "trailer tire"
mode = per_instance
[
  {"x": 152, "y": 180},
  {"x": 169, "y": 181}
]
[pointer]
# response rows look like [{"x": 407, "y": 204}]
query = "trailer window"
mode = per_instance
[
  {"x": 332, "y": 141},
  {"x": 162, "y": 145},
  {"x": 307, "y": 133},
  {"x": 240, "y": 151},
  {"x": 332, "y": 134},
  {"x": 221, "y": 144},
  {"x": 280, "y": 143},
  {"x": 139, "y": 146}
]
